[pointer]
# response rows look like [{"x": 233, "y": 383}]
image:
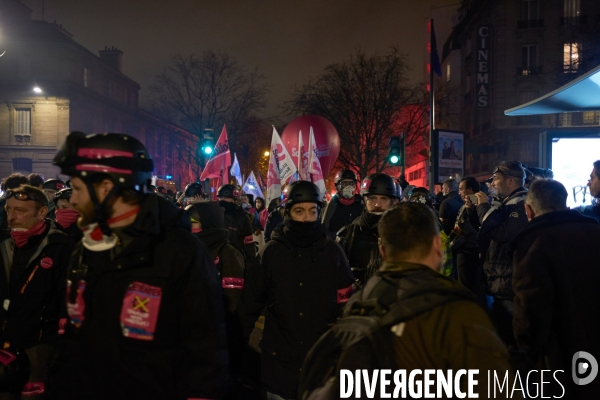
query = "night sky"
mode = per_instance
[{"x": 288, "y": 40}]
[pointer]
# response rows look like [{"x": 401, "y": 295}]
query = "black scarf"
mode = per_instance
[
  {"x": 303, "y": 234},
  {"x": 368, "y": 220}
]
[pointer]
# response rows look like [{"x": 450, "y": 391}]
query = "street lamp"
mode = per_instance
[
  {"x": 267, "y": 154},
  {"x": 37, "y": 89}
]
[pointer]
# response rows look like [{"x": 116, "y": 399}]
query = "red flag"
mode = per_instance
[{"x": 220, "y": 159}]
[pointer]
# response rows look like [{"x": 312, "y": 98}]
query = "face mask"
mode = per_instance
[
  {"x": 65, "y": 218},
  {"x": 95, "y": 240},
  {"x": 348, "y": 192},
  {"x": 22, "y": 235}
]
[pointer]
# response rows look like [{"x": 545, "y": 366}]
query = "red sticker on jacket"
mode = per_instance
[
  {"x": 62, "y": 325},
  {"x": 76, "y": 310},
  {"x": 232, "y": 283},
  {"x": 32, "y": 388},
  {"x": 248, "y": 239},
  {"x": 217, "y": 260},
  {"x": 139, "y": 312},
  {"x": 46, "y": 262},
  {"x": 343, "y": 295}
]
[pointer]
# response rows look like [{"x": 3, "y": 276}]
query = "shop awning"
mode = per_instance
[{"x": 582, "y": 94}]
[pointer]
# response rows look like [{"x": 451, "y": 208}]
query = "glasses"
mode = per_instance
[
  {"x": 381, "y": 200},
  {"x": 346, "y": 184},
  {"x": 19, "y": 195}
]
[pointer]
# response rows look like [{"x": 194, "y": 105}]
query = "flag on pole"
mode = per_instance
[
  {"x": 314, "y": 165},
  {"x": 219, "y": 161},
  {"x": 251, "y": 186},
  {"x": 436, "y": 66},
  {"x": 235, "y": 171},
  {"x": 302, "y": 162},
  {"x": 281, "y": 167}
]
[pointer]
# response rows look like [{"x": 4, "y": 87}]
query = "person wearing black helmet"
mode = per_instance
[
  {"x": 303, "y": 278},
  {"x": 238, "y": 223},
  {"x": 359, "y": 239},
  {"x": 66, "y": 215},
  {"x": 193, "y": 193},
  {"x": 50, "y": 187},
  {"x": 146, "y": 317},
  {"x": 346, "y": 205}
]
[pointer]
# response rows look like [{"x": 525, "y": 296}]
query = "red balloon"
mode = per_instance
[{"x": 326, "y": 139}]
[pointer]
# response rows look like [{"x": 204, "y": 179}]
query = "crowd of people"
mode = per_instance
[{"x": 114, "y": 288}]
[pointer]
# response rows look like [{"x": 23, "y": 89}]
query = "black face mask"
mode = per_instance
[{"x": 302, "y": 234}]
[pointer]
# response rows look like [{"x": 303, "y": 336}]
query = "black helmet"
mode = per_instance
[
  {"x": 14, "y": 370},
  {"x": 303, "y": 192},
  {"x": 54, "y": 184},
  {"x": 380, "y": 184},
  {"x": 344, "y": 174},
  {"x": 208, "y": 213},
  {"x": 194, "y": 189},
  {"x": 230, "y": 191},
  {"x": 122, "y": 157},
  {"x": 64, "y": 194}
]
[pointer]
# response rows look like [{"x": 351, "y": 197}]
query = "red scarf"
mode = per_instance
[
  {"x": 345, "y": 201},
  {"x": 21, "y": 237},
  {"x": 66, "y": 217}
]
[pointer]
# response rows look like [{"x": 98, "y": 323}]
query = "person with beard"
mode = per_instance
[
  {"x": 67, "y": 215},
  {"x": 303, "y": 279},
  {"x": 345, "y": 206},
  {"x": 146, "y": 317},
  {"x": 35, "y": 258},
  {"x": 239, "y": 225},
  {"x": 359, "y": 239},
  {"x": 208, "y": 224},
  {"x": 11, "y": 182}
]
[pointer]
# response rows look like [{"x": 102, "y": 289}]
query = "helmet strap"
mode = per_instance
[{"x": 99, "y": 215}]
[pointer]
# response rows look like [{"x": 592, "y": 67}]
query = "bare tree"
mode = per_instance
[
  {"x": 207, "y": 91},
  {"x": 363, "y": 98}
]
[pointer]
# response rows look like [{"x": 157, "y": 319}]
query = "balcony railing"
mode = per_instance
[
  {"x": 570, "y": 21},
  {"x": 530, "y": 23},
  {"x": 531, "y": 70}
]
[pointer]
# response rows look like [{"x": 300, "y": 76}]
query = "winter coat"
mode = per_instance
[
  {"x": 240, "y": 230},
  {"x": 499, "y": 225},
  {"x": 359, "y": 241},
  {"x": 449, "y": 211},
  {"x": 337, "y": 215},
  {"x": 275, "y": 218},
  {"x": 303, "y": 290},
  {"x": 557, "y": 306},
  {"x": 148, "y": 321},
  {"x": 466, "y": 227}
]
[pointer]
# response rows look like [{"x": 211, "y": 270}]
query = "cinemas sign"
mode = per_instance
[{"x": 482, "y": 81}]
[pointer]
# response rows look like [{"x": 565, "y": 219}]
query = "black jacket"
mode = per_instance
[
  {"x": 359, "y": 241},
  {"x": 153, "y": 318},
  {"x": 36, "y": 292},
  {"x": 304, "y": 289},
  {"x": 273, "y": 220},
  {"x": 498, "y": 227},
  {"x": 557, "y": 305},
  {"x": 449, "y": 210},
  {"x": 240, "y": 230},
  {"x": 337, "y": 215}
]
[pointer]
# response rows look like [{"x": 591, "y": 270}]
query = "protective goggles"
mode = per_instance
[
  {"x": 346, "y": 184},
  {"x": 18, "y": 195},
  {"x": 506, "y": 171}
]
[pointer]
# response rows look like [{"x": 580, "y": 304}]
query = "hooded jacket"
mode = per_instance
[
  {"x": 556, "y": 306},
  {"x": 303, "y": 283},
  {"x": 147, "y": 322}
]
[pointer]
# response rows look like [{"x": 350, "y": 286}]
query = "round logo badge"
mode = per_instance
[{"x": 46, "y": 262}]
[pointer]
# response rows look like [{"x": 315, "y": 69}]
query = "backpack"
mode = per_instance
[{"x": 363, "y": 337}]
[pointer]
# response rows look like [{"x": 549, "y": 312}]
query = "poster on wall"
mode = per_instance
[{"x": 449, "y": 155}]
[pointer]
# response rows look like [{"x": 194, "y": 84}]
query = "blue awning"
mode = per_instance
[{"x": 582, "y": 94}]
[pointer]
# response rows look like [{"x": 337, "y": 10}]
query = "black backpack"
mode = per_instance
[{"x": 362, "y": 338}]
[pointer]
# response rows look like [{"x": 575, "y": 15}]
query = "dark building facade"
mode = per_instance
[
  {"x": 51, "y": 85},
  {"x": 502, "y": 54}
]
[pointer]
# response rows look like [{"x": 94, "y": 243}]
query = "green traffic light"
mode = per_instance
[
  {"x": 207, "y": 150},
  {"x": 394, "y": 159}
]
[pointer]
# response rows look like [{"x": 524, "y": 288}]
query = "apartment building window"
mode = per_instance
[
  {"x": 23, "y": 121},
  {"x": 530, "y": 10},
  {"x": 572, "y": 8},
  {"x": 590, "y": 118},
  {"x": 565, "y": 119},
  {"x": 529, "y": 60},
  {"x": 22, "y": 165},
  {"x": 86, "y": 77},
  {"x": 571, "y": 57}
]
